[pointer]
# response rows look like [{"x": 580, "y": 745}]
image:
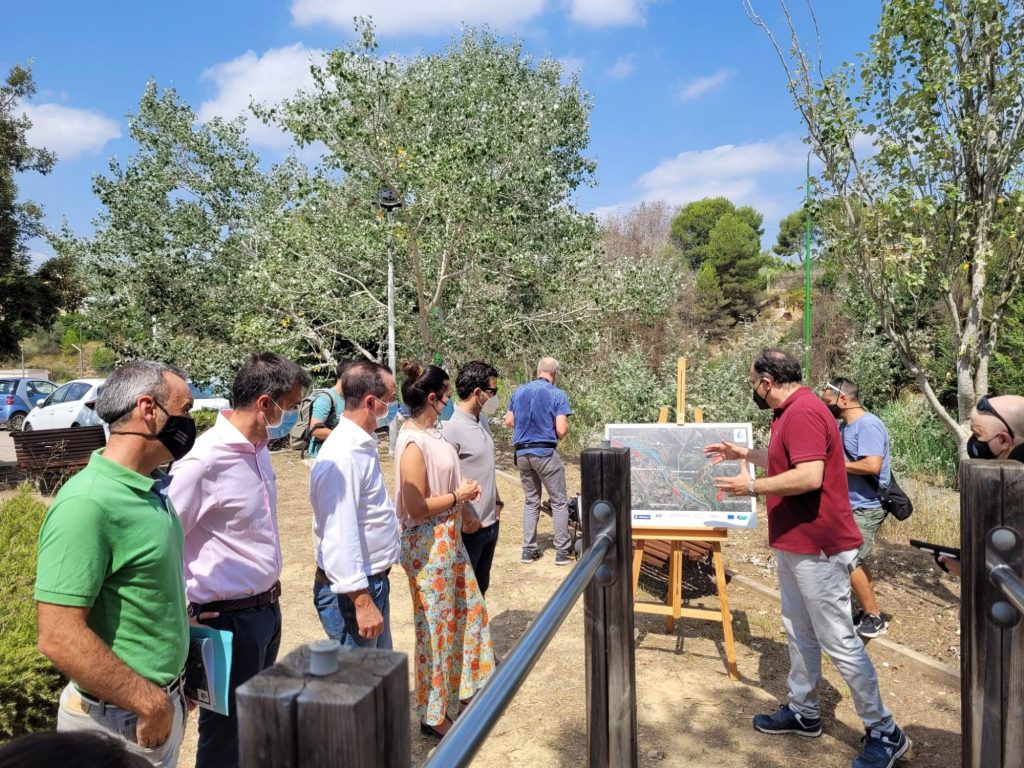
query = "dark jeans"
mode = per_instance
[
  {"x": 338, "y": 614},
  {"x": 256, "y": 638},
  {"x": 480, "y": 547}
]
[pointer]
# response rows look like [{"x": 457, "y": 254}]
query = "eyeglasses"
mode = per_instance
[
  {"x": 984, "y": 406},
  {"x": 489, "y": 390},
  {"x": 756, "y": 384},
  {"x": 835, "y": 389}
]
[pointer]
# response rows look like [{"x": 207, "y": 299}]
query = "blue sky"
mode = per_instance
[{"x": 689, "y": 99}]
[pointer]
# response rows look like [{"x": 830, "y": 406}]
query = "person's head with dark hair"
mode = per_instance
[
  {"x": 265, "y": 396},
  {"x": 477, "y": 385},
  {"x": 425, "y": 386},
  {"x": 362, "y": 379},
  {"x": 369, "y": 390},
  {"x": 842, "y": 396},
  {"x": 343, "y": 366},
  {"x": 779, "y": 365},
  {"x": 774, "y": 376},
  {"x": 68, "y": 749}
]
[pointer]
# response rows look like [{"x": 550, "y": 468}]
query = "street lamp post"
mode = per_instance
[{"x": 389, "y": 202}]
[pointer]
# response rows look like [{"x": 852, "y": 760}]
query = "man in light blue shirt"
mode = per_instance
[
  {"x": 539, "y": 413},
  {"x": 866, "y": 444}
]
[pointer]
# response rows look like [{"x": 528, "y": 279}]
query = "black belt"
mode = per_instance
[
  {"x": 517, "y": 447},
  {"x": 241, "y": 604},
  {"x": 321, "y": 575}
]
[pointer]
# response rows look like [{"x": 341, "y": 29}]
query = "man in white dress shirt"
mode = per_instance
[{"x": 354, "y": 518}]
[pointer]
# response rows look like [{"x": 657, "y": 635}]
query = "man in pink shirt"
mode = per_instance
[{"x": 225, "y": 493}]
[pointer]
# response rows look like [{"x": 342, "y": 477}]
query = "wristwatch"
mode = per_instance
[{"x": 750, "y": 488}]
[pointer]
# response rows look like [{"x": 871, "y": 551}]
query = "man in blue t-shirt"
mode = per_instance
[
  {"x": 324, "y": 412},
  {"x": 539, "y": 412},
  {"x": 866, "y": 443}
]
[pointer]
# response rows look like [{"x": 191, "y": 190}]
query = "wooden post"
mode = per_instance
[
  {"x": 357, "y": 717},
  {"x": 681, "y": 390},
  {"x": 608, "y": 616},
  {"x": 992, "y": 657}
]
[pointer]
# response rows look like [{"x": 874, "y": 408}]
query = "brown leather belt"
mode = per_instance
[{"x": 241, "y": 604}]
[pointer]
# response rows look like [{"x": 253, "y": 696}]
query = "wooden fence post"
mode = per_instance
[
  {"x": 357, "y": 717},
  {"x": 608, "y": 614},
  {"x": 992, "y": 657}
]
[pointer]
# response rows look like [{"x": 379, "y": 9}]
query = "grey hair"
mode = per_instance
[
  {"x": 548, "y": 365},
  {"x": 119, "y": 394}
]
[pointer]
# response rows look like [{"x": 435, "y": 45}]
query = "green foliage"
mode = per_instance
[
  {"x": 28, "y": 300},
  {"x": 204, "y": 419},
  {"x": 29, "y": 685},
  {"x": 103, "y": 359},
  {"x": 918, "y": 443},
  {"x": 929, "y": 218},
  {"x": 708, "y": 302},
  {"x": 715, "y": 232},
  {"x": 1008, "y": 363}
]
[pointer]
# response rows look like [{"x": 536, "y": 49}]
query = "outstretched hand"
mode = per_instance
[{"x": 725, "y": 451}]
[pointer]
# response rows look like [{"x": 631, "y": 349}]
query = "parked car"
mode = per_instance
[
  {"x": 72, "y": 405},
  {"x": 207, "y": 398},
  {"x": 18, "y": 396}
]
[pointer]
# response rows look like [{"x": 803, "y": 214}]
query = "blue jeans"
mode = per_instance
[{"x": 338, "y": 613}]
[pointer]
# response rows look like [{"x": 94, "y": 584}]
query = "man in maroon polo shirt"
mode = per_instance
[{"x": 811, "y": 528}]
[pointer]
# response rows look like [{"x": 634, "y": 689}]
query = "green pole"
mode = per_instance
[{"x": 807, "y": 270}]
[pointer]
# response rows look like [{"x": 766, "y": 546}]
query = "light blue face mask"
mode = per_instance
[
  {"x": 447, "y": 411},
  {"x": 386, "y": 419},
  {"x": 288, "y": 420}
]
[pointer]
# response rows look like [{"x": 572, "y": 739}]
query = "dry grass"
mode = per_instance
[{"x": 936, "y": 516}]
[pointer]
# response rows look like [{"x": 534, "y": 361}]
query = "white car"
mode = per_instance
[
  {"x": 71, "y": 405},
  {"x": 207, "y": 399}
]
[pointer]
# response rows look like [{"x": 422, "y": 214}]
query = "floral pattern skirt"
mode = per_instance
[{"x": 454, "y": 654}]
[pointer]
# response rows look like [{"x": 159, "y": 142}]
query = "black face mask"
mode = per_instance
[
  {"x": 1017, "y": 454},
  {"x": 177, "y": 435},
  {"x": 759, "y": 401},
  {"x": 979, "y": 449},
  {"x": 835, "y": 410}
]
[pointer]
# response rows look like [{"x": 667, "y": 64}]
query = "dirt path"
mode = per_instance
[{"x": 689, "y": 712}]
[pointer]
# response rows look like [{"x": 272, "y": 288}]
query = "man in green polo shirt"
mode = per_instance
[{"x": 109, "y": 585}]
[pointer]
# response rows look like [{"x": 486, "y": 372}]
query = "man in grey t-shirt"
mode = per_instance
[{"x": 468, "y": 432}]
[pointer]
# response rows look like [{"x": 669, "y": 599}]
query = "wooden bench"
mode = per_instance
[{"x": 57, "y": 450}]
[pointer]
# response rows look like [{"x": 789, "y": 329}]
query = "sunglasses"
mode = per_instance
[
  {"x": 984, "y": 406},
  {"x": 489, "y": 390}
]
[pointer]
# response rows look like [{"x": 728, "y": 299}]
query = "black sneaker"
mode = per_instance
[
  {"x": 531, "y": 556},
  {"x": 872, "y": 626},
  {"x": 881, "y": 750},
  {"x": 785, "y": 720},
  {"x": 563, "y": 558}
]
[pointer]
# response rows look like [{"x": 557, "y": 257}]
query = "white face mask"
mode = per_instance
[{"x": 491, "y": 406}]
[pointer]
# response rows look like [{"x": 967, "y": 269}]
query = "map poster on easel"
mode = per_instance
[{"x": 673, "y": 481}]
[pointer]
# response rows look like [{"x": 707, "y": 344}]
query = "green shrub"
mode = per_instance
[
  {"x": 29, "y": 684},
  {"x": 919, "y": 444},
  {"x": 103, "y": 359},
  {"x": 204, "y": 419}
]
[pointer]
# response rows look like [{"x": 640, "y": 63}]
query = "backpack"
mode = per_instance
[{"x": 298, "y": 438}]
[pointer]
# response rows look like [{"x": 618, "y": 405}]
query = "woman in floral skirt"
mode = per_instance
[{"x": 454, "y": 656}]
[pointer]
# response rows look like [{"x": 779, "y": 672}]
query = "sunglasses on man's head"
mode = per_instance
[{"x": 984, "y": 406}]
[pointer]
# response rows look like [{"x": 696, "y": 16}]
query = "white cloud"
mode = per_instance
[
  {"x": 623, "y": 67},
  {"x": 702, "y": 85},
  {"x": 277, "y": 74},
  {"x": 401, "y": 17},
  {"x": 741, "y": 172},
  {"x": 608, "y": 13},
  {"x": 68, "y": 131}
]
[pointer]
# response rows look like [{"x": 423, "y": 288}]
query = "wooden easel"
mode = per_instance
[{"x": 677, "y": 538}]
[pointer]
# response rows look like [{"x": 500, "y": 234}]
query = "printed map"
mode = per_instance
[{"x": 673, "y": 481}]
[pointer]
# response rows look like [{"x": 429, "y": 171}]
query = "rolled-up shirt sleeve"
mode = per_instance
[{"x": 335, "y": 493}]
